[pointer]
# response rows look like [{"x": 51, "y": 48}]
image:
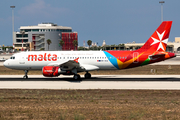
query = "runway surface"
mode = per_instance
[{"x": 160, "y": 82}]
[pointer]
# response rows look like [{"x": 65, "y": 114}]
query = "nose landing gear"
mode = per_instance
[{"x": 25, "y": 76}]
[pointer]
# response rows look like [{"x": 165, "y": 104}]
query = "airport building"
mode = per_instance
[
  {"x": 35, "y": 38},
  {"x": 171, "y": 46}
]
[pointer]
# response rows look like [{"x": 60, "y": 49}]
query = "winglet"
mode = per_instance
[{"x": 76, "y": 60}]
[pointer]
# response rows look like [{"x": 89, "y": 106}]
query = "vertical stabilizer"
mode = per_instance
[{"x": 158, "y": 40}]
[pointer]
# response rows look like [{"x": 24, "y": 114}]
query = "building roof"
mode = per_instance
[{"x": 45, "y": 26}]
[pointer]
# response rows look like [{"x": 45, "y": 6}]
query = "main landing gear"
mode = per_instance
[
  {"x": 25, "y": 76},
  {"x": 87, "y": 75},
  {"x": 77, "y": 76}
]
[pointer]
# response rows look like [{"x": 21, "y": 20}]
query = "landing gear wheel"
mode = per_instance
[
  {"x": 77, "y": 77},
  {"x": 25, "y": 76},
  {"x": 87, "y": 75}
]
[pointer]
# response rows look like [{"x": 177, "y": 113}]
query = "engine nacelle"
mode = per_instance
[{"x": 51, "y": 71}]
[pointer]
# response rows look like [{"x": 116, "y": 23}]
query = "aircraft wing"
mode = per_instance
[
  {"x": 66, "y": 65},
  {"x": 69, "y": 65},
  {"x": 89, "y": 67},
  {"x": 74, "y": 64}
]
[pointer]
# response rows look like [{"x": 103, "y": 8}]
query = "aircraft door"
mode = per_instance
[
  {"x": 22, "y": 59},
  {"x": 135, "y": 57}
]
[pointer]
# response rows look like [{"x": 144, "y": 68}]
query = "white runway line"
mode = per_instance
[{"x": 88, "y": 85}]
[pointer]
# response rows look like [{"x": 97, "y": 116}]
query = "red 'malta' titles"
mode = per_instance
[{"x": 40, "y": 57}]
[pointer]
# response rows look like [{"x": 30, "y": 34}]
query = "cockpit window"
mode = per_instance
[{"x": 12, "y": 57}]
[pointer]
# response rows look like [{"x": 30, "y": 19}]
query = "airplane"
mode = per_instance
[{"x": 54, "y": 63}]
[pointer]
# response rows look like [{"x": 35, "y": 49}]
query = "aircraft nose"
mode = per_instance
[{"x": 5, "y": 63}]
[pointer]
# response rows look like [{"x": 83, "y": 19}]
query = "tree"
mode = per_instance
[
  {"x": 82, "y": 48},
  {"x": 75, "y": 43},
  {"x": 61, "y": 42},
  {"x": 42, "y": 49},
  {"x": 48, "y": 42},
  {"x": 89, "y": 42}
]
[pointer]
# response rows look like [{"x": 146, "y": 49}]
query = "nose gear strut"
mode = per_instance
[{"x": 25, "y": 76}]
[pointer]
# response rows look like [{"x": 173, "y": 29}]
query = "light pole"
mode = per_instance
[
  {"x": 12, "y": 22},
  {"x": 22, "y": 32},
  {"x": 161, "y": 2}
]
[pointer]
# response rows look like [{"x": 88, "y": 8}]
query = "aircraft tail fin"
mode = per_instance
[{"x": 158, "y": 40}]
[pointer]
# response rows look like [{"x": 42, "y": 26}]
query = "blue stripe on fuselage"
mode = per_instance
[{"x": 112, "y": 59}]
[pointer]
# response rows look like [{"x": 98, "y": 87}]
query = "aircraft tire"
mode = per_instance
[
  {"x": 25, "y": 77},
  {"x": 87, "y": 75},
  {"x": 77, "y": 77}
]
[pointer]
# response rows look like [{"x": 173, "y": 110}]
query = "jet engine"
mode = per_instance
[{"x": 52, "y": 71}]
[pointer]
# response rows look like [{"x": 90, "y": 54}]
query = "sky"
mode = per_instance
[{"x": 115, "y": 21}]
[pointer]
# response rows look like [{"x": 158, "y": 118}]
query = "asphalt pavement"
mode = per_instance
[{"x": 159, "y": 82}]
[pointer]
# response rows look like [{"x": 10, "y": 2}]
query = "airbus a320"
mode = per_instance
[{"x": 54, "y": 63}]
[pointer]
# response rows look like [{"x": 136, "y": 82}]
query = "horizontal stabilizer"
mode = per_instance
[{"x": 157, "y": 55}]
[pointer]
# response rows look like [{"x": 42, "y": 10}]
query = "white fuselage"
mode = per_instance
[{"x": 38, "y": 59}]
